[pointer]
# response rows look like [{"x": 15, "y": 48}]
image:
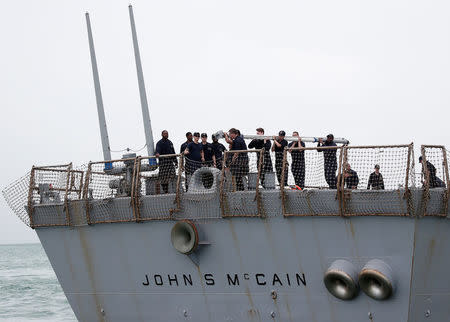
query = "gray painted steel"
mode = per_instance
[
  {"x": 103, "y": 267},
  {"x": 142, "y": 92},
  {"x": 98, "y": 95}
]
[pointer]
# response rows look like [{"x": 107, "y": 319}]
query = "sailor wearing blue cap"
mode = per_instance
[{"x": 279, "y": 143}]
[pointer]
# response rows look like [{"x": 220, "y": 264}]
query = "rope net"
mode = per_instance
[
  {"x": 386, "y": 169},
  {"x": 157, "y": 191},
  {"x": 310, "y": 181},
  {"x": 392, "y": 164},
  {"x": 16, "y": 197},
  {"x": 434, "y": 157},
  {"x": 242, "y": 176},
  {"x": 107, "y": 191},
  {"x": 49, "y": 186},
  {"x": 309, "y": 172},
  {"x": 434, "y": 180},
  {"x": 312, "y": 168}
]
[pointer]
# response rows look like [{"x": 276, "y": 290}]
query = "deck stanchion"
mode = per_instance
[
  {"x": 30, "y": 197},
  {"x": 339, "y": 192},
  {"x": 258, "y": 178},
  {"x": 447, "y": 181},
  {"x": 86, "y": 193},
  {"x": 178, "y": 184},
  {"x": 66, "y": 195},
  {"x": 135, "y": 178},
  {"x": 426, "y": 183},
  {"x": 407, "y": 194},
  {"x": 282, "y": 192},
  {"x": 222, "y": 181}
]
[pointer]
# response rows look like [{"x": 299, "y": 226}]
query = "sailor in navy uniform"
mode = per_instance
[
  {"x": 185, "y": 144},
  {"x": 266, "y": 145},
  {"x": 298, "y": 161},
  {"x": 237, "y": 162},
  {"x": 218, "y": 149},
  {"x": 376, "y": 179},
  {"x": 279, "y": 143},
  {"x": 208, "y": 157},
  {"x": 329, "y": 160},
  {"x": 193, "y": 154},
  {"x": 167, "y": 165},
  {"x": 434, "y": 180},
  {"x": 351, "y": 178}
]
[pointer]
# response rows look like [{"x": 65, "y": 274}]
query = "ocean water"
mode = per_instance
[{"x": 29, "y": 290}]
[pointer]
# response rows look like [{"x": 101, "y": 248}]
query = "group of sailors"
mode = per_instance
[{"x": 199, "y": 152}]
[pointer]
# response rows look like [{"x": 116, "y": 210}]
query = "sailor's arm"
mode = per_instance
[
  {"x": 235, "y": 156},
  {"x": 227, "y": 138},
  {"x": 276, "y": 142},
  {"x": 369, "y": 182},
  {"x": 319, "y": 145}
]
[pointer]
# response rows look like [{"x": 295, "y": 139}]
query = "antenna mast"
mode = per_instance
[
  {"x": 143, "y": 95},
  {"x": 98, "y": 95}
]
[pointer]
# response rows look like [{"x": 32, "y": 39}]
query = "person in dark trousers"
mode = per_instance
[
  {"x": 208, "y": 156},
  {"x": 167, "y": 165},
  {"x": 435, "y": 181},
  {"x": 376, "y": 179},
  {"x": 279, "y": 143},
  {"x": 193, "y": 154},
  {"x": 329, "y": 160},
  {"x": 218, "y": 149},
  {"x": 237, "y": 162},
  {"x": 351, "y": 178},
  {"x": 182, "y": 149},
  {"x": 298, "y": 160},
  {"x": 185, "y": 144},
  {"x": 265, "y": 145}
]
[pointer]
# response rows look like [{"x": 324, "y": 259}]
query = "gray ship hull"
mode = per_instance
[
  {"x": 250, "y": 269},
  {"x": 116, "y": 236}
]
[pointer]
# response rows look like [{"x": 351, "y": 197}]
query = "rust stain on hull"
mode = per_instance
[
  {"x": 90, "y": 270},
  {"x": 236, "y": 245},
  {"x": 307, "y": 291},
  {"x": 204, "y": 292}
]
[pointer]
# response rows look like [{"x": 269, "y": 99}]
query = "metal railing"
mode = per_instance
[
  {"x": 54, "y": 184},
  {"x": 243, "y": 182},
  {"x": 435, "y": 159},
  {"x": 242, "y": 170}
]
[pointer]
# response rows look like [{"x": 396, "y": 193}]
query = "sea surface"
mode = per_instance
[{"x": 29, "y": 290}]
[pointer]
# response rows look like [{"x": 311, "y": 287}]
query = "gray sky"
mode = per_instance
[{"x": 375, "y": 72}]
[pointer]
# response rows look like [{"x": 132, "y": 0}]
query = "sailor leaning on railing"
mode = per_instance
[
  {"x": 198, "y": 154},
  {"x": 267, "y": 161}
]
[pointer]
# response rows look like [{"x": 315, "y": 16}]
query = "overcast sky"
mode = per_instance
[{"x": 374, "y": 72}]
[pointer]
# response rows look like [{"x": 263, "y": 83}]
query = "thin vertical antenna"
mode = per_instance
[
  {"x": 140, "y": 76},
  {"x": 98, "y": 96}
]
